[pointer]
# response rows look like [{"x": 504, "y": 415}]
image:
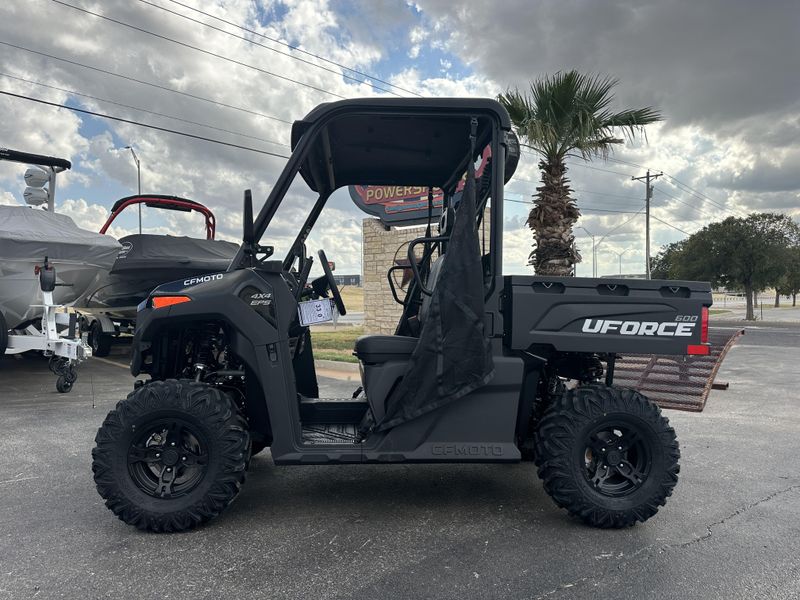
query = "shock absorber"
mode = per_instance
[{"x": 207, "y": 337}]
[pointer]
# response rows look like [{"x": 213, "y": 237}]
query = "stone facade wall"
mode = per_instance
[
  {"x": 380, "y": 247},
  {"x": 381, "y": 312}
]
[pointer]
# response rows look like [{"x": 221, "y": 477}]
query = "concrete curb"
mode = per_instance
[
  {"x": 336, "y": 365},
  {"x": 337, "y": 370}
]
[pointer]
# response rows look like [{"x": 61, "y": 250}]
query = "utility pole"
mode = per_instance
[{"x": 648, "y": 195}]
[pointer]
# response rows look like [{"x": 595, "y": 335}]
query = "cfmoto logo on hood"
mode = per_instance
[
  {"x": 203, "y": 279},
  {"x": 667, "y": 329}
]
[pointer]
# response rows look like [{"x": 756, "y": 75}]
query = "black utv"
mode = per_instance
[{"x": 482, "y": 368}]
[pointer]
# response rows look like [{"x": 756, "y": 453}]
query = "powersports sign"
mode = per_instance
[{"x": 404, "y": 204}]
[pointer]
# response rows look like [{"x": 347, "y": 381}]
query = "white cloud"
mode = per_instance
[{"x": 737, "y": 158}]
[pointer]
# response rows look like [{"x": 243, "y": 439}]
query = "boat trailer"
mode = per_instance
[{"x": 66, "y": 350}]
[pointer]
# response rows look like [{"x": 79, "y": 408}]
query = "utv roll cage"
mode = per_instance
[{"x": 379, "y": 142}]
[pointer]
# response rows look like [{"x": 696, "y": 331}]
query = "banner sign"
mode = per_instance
[{"x": 405, "y": 204}]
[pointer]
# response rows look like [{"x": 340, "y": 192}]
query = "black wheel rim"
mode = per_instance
[
  {"x": 168, "y": 458},
  {"x": 616, "y": 458}
]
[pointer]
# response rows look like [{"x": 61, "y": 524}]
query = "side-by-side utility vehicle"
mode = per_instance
[{"x": 483, "y": 367}]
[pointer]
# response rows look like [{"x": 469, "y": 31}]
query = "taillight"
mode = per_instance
[
  {"x": 698, "y": 349},
  {"x": 704, "y": 326},
  {"x": 163, "y": 301}
]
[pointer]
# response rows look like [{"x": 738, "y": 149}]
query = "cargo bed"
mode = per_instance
[{"x": 584, "y": 314}]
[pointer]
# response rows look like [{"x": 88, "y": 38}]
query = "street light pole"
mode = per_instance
[
  {"x": 619, "y": 254},
  {"x": 594, "y": 251},
  {"x": 138, "y": 180},
  {"x": 361, "y": 250}
]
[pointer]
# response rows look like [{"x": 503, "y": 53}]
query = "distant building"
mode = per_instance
[{"x": 342, "y": 280}]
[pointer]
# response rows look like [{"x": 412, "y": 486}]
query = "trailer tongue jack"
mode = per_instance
[{"x": 66, "y": 350}]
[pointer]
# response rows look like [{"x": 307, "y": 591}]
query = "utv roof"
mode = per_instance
[{"x": 390, "y": 141}]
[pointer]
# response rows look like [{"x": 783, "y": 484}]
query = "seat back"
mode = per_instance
[{"x": 436, "y": 268}]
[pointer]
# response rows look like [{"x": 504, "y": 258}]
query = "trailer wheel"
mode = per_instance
[
  {"x": 607, "y": 455},
  {"x": 3, "y": 334},
  {"x": 171, "y": 456},
  {"x": 99, "y": 341},
  {"x": 63, "y": 385},
  {"x": 67, "y": 376}
]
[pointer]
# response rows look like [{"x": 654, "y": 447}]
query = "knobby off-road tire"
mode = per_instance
[
  {"x": 172, "y": 455},
  {"x": 607, "y": 455}
]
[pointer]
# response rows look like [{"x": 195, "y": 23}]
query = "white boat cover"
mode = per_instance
[{"x": 27, "y": 235}]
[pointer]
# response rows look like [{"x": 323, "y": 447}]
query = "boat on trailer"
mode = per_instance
[{"x": 146, "y": 261}]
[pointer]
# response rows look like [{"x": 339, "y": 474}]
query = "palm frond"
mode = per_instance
[{"x": 570, "y": 111}]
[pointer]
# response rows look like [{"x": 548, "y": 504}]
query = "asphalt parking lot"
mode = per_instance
[{"x": 731, "y": 530}]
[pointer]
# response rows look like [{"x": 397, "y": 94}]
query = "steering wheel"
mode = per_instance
[{"x": 337, "y": 296}]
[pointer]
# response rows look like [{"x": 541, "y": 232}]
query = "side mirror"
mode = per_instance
[{"x": 248, "y": 233}]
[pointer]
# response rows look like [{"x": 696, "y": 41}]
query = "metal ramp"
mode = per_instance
[{"x": 679, "y": 382}]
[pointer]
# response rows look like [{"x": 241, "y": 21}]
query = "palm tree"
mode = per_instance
[{"x": 566, "y": 114}]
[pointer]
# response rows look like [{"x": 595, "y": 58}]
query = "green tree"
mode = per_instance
[
  {"x": 789, "y": 285},
  {"x": 740, "y": 253},
  {"x": 563, "y": 115},
  {"x": 666, "y": 264}
]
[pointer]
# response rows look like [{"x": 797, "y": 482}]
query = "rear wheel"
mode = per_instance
[
  {"x": 171, "y": 456},
  {"x": 100, "y": 342},
  {"x": 607, "y": 455}
]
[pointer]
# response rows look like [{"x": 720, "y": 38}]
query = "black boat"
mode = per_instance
[{"x": 149, "y": 260}]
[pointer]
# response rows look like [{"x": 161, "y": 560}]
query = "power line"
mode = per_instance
[
  {"x": 147, "y": 83},
  {"x": 144, "y": 110},
  {"x": 688, "y": 189},
  {"x": 197, "y": 48},
  {"x": 698, "y": 194},
  {"x": 692, "y": 206},
  {"x": 582, "y": 209},
  {"x": 669, "y": 224},
  {"x": 520, "y": 179},
  {"x": 298, "y": 49},
  {"x": 140, "y": 124},
  {"x": 607, "y": 194},
  {"x": 585, "y": 166},
  {"x": 248, "y": 40},
  {"x": 573, "y": 164},
  {"x": 625, "y": 222}
]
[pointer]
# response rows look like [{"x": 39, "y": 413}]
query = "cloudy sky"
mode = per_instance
[{"x": 723, "y": 72}]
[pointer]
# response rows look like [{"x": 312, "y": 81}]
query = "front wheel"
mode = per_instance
[
  {"x": 171, "y": 456},
  {"x": 607, "y": 455}
]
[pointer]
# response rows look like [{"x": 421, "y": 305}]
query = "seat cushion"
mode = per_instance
[{"x": 381, "y": 348}]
